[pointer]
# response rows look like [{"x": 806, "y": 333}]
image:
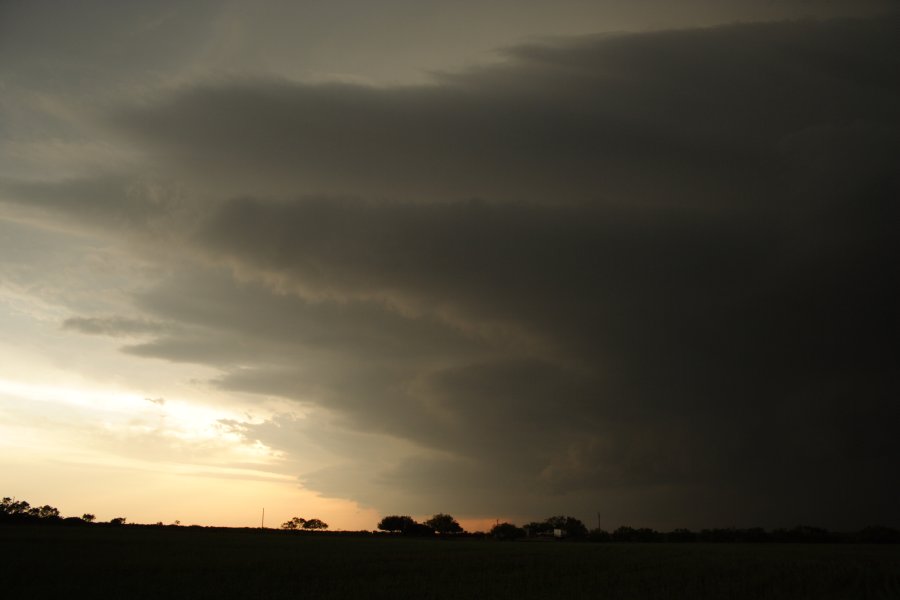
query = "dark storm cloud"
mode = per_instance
[
  {"x": 59, "y": 45},
  {"x": 657, "y": 117},
  {"x": 110, "y": 202},
  {"x": 673, "y": 298},
  {"x": 255, "y": 315}
]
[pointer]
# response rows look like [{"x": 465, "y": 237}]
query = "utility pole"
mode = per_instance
[{"x": 262, "y": 522}]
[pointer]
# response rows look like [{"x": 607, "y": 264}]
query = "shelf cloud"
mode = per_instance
[{"x": 643, "y": 273}]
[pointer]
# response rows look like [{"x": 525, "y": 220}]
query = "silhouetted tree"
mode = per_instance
[
  {"x": 396, "y": 523},
  {"x": 315, "y": 524},
  {"x": 557, "y": 522},
  {"x": 88, "y": 517},
  {"x": 11, "y": 506},
  {"x": 573, "y": 527},
  {"x": 507, "y": 532},
  {"x": 12, "y": 510},
  {"x": 21, "y": 511},
  {"x": 44, "y": 512},
  {"x": 538, "y": 528},
  {"x": 117, "y": 521},
  {"x": 443, "y": 523},
  {"x": 295, "y": 523}
]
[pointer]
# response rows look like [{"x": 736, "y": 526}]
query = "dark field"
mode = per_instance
[{"x": 139, "y": 562}]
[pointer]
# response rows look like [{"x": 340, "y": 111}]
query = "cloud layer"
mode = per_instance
[{"x": 645, "y": 274}]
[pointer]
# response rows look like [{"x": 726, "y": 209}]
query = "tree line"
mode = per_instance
[
  {"x": 20, "y": 511},
  {"x": 563, "y": 527},
  {"x": 573, "y": 529},
  {"x": 560, "y": 527},
  {"x": 440, "y": 523}
]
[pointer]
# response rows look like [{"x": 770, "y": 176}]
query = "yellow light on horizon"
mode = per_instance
[{"x": 113, "y": 453}]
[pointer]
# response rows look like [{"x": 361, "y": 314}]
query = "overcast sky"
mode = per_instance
[{"x": 502, "y": 259}]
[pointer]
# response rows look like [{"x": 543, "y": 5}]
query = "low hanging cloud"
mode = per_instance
[
  {"x": 671, "y": 117},
  {"x": 646, "y": 273},
  {"x": 115, "y": 326}
]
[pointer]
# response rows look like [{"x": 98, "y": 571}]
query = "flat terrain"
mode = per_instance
[{"x": 138, "y": 562}]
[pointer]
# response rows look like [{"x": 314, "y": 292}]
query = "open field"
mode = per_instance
[{"x": 140, "y": 562}]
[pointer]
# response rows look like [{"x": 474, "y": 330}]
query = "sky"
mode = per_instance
[{"x": 627, "y": 261}]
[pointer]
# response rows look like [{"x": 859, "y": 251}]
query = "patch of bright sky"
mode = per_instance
[
  {"x": 88, "y": 428},
  {"x": 106, "y": 452}
]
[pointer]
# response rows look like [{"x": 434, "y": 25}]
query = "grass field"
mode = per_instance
[{"x": 138, "y": 562}]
